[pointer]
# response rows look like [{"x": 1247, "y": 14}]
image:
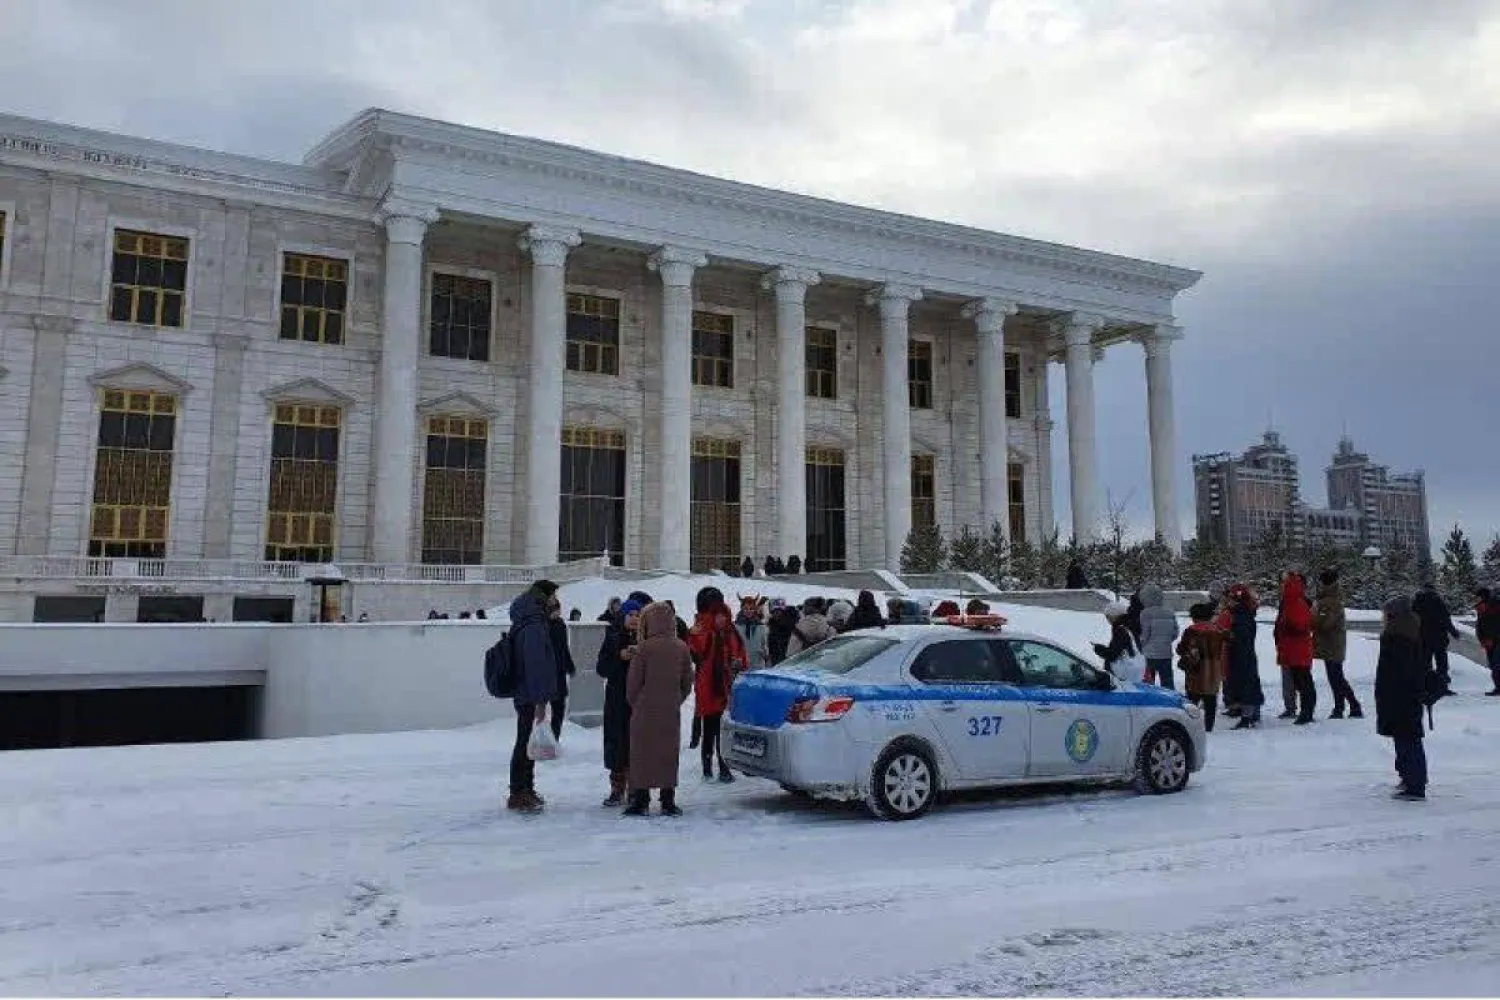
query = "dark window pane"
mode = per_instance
[
  {"x": 312, "y": 292},
  {"x": 111, "y": 429},
  {"x": 119, "y": 305},
  {"x": 149, "y": 273},
  {"x": 291, "y": 291},
  {"x": 174, "y": 274},
  {"x": 281, "y": 441},
  {"x": 333, "y": 328},
  {"x": 136, "y": 435},
  {"x": 123, "y": 271},
  {"x": 145, "y": 305},
  {"x": 335, "y": 295},
  {"x": 288, "y": 322},
  {"x": 171, "y": 309},
  {"x": 161, "y": 433}
]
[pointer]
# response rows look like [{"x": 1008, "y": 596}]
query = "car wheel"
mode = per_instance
[
  {"x": 903, "y": 782},
  {"x": 1162, "y": 762}
]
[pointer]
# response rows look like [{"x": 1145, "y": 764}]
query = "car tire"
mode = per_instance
[
  {"x": 903, "y": 782},
  {"x": 1163, "y": 763}
]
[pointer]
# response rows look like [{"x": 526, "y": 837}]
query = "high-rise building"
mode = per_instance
[
  {"x": 1392, "y": 507},
  {"x": 1242, "y": 498}
]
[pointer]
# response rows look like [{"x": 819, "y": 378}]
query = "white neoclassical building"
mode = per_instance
[{"x": 430, "y": 352}]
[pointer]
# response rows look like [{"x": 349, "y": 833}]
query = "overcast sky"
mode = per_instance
[{"x": 1329, "y": 164}]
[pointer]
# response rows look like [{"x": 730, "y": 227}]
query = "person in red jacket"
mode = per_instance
[
  {"x": 719, "y": 657},
  {"x": 1487, "y": 631},
  {"x": 1294, "y": 643}
]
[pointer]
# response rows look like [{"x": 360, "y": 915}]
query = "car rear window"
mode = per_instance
[{"x": 839, "y": 655}]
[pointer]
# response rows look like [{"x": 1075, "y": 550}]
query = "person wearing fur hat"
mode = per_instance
[
  {"x": 615, "y": 655},
  {"x": 1121, "y": 643},
  {"x": 751, "y": 625},
  {"x": 719, "y": 655}
]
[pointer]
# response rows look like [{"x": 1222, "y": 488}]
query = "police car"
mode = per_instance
[{"x": 896, "y": 716}]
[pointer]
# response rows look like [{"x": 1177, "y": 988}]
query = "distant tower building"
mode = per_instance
[
  {"x": 1392, "y": 508},
  {"x": 1241, "y": 499}
]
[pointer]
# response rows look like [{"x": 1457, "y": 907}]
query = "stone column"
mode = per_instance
[
  {"x": 994, "y": 441},
  {"x": 676, "y": 266},
  {"x": 791, "y": 285},
  {"x": 1042, "y": 422},
  {"x": 895, "y": 311},
  {"x": 1163, "y": 426},
  {"x": 1083, "y": 463},
  {"x": 396, "y": 401},
  {"x": 549, "y": 248},
  {"x": 223, "y": 444}
]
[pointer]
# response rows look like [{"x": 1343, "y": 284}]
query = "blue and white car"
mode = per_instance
[{"x": 894, "y": 717}]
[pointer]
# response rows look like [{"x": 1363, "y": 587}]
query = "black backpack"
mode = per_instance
[{"x": 500, "y": 669}]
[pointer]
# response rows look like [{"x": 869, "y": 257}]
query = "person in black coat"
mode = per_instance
[
  {"x": 1242, "y": 687},
  {"x": 615, "y": 654},
  {"x": 1437, "y": 628},
  {"x": 1077, "y": 580},
  {"x": 779, "y": 631},
  {"x": 866, "y": 613},
  {"x": 558, "y": 629},
  {"x": 1401, "y": 694}
]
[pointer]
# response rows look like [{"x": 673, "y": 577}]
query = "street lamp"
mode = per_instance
[{"x": 320, "y": 578}]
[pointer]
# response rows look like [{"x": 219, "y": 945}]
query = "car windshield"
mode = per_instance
[{"x": 839, "y": 655}]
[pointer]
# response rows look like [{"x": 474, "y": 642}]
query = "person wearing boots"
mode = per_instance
[
  {"x": 658, "y": 682},
  {"x": 1294, "y": 647},
  {"x": 720, "y": 657},
  {"x": 1243, "y": 689},
  {"x": 1487, "y": 631},
  {"x": 1330, "y": 641},
  {"x": 615, "y": 654},
  {"x": 536, "y": 687},
  {"x": 1400, "y": 695},
  {"x": 1158, "y": 630},
  {"x": 1201, "y": 656}
]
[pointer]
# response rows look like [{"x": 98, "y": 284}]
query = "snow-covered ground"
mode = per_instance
[{"x": 384, "y": 865}]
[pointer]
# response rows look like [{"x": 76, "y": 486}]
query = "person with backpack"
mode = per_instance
[
  {"x": 615, "y": 655},
  {"x": 720, "y": 657},
  {"x": 1437, "y": 628},
  {"x": 1487, "y": 631},
  {"x": 1294, "y": 648},
  {"x": 1401, "y": 694},
  {"x": 1202, "y": 655},
  {"x": 659, "y": 680},
  {"x": 811, "y": 628},
  {"x": 1158, "y": 631},
  {"x": 1242, "y": 685},
  {"x": 1331, "y": 642},
  {"x": 534, "y": 668}
]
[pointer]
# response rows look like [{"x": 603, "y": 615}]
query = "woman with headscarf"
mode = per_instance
[
  {"x": 720, "y": 658},
  {"x": 658, "y": 682},
  {"x": 615, "y": 655}
]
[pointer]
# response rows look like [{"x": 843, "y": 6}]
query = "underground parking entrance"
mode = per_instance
[{"x": 97, "y": 717}]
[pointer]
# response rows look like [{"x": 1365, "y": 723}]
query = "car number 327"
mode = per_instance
[{"x": 984, "y": 725}]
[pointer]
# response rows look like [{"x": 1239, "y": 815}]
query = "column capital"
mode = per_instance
[
  {"x": 1078, "y": 329},
  {"x": 406, "y": 221},
  {"x": 893, "y": 293},
  {"x": 676, "y": 265},
  {"x": 549, "y": 245},
  {"x": 1158, "y": 340},
  {"x": 790, "y": 282},
  {"x": 989, "y": 314}
]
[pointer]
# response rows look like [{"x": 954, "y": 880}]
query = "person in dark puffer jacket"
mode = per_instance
[
  {"x": 1400, "y": 695},
  {"x": 536, "y": 687}
]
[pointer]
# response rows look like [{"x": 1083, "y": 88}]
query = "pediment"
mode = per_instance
[
  {"x": 143, "y": 377},
  {"x": 456, "y": 404},
  {"x": 307, "y": 390}
]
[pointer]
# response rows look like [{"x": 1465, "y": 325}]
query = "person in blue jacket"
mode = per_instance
[{"x": 536, "y": 687}]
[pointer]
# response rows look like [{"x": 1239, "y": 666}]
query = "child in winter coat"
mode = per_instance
[
  {"x": 1121, "y": 649},
  {"x": 1202, "y": 655}
]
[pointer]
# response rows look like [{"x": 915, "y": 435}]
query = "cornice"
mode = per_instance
[{"x": 419, "y": 137}]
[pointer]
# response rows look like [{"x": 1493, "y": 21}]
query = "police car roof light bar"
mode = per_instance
[{"x": 977, "y": 623}]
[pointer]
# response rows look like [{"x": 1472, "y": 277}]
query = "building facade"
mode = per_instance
[
  {"x": 1392, "y": 508},
  {"x": 429, "y": 351},
  {"x": 1242, "y": 498}
]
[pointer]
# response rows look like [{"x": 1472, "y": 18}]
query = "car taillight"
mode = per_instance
[{"x": 820, "y": 709}]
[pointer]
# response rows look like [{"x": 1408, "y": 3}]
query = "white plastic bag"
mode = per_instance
[
  {"x": 1130, "y": 668},
  {"x": 542, "y": 745}
]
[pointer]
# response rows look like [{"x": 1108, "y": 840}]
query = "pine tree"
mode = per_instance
[
  {"x": 997, "y": 556},
  {"x": 925, "y": 550},
  {"x": 1053, "y": 559},
  {"x": 1025, "y": 564},
  {"x": 966, "y": 551},
  {"x": 1489, "y": 570},
  {"x": 1459, "y": 575}
]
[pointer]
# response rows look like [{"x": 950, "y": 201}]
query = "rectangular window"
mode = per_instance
[
  {"x": 593, "y": 335},
  {"x": 304, "y": 483},
  {"x": 148, "y": 279},
  {"x": 133, "y": 475},
  {"x": 826, "y": 544},
  {"x": 459, "y": 326},
  {"x": 923, "y": 491},
  {"x": 715, "y": 505},
  {"x": 1012, "y": 384},
  {"x": 314, "y": 298},
  {"x": 919, "y": 374},
  {"x": 1015, "y": 478},
  {"x": 453, "y": 491},
  {"x": 593, "y": 494},
  {"x": 713, "y": 350},
  {"x": 822, "y": 363}
]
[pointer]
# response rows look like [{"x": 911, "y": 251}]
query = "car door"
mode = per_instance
[
  {"x": 980, "y": 718},
  {"x": 1078, "y": 727}
]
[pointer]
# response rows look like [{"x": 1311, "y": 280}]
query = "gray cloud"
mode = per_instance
[{"x": 1327, "y": 163}]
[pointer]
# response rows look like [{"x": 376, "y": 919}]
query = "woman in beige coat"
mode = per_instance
[{"x": 659, "y": 681}]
